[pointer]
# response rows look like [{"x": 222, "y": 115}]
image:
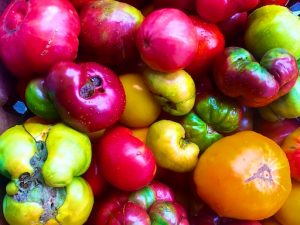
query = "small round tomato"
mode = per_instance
[
  {"x": 289, "y": 212},
  {"x": 243, "y": 176},
  {"x": 124, "y": 160},
  {"x": 141, "y": 108}
]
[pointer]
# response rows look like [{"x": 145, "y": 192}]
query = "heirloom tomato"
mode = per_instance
[
  {"x": 243, "y": 176},
  {"x": 141, "y": 108}
]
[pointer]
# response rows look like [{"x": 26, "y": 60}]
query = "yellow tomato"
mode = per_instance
[
  {"x": 141, "y": 133},
  {"x": 289, "y": 214},
  {"x": 141, "y": 108}
]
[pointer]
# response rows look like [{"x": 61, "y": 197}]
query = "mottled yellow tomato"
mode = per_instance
[
  {"x": 244, "y": 176},
  {"x": 140, "y": 133},
  {"x": 289, "y": 214},
  {"x": 141, "y": 108}
]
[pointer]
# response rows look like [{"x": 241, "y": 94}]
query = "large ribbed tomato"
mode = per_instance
[{"x": 244, "y": 176}]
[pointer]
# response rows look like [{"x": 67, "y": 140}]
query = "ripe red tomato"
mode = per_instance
[
  {"x": 124, "y": 160},
  {"x": 210, "y": 43},
  {"x": 95, "y": 179},
  {"x": 273, "y": 2}
]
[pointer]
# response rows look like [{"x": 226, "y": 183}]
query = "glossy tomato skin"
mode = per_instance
[
  {"x": 273, "y": 2},
  {"x": 167, "y": 40},
  {"x": 95, "y": 179},
  {"x": 219, "y": 10},
  {"x": 277, "y": 131},
  {"x": 210, "y": 43},
  {"x": 291, "y": 146},
  {"x": 141, "y": 109},
  {"x": 87, "y": 96},
  {"x": 107, "y": 208},
  {"x": 254, "y": 84},
  {"x": 234, "y": 26},
  {"x": 36, "y": 34},
  {"x": 255, "y": 176},
  {"x": 124, "y": 160},
  {"x": 108, "y": 31}
]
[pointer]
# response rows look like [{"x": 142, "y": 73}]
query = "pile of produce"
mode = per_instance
[{"x": 149, "y": 112}]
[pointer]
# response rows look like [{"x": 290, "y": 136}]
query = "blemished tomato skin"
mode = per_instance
[
  {"x": 246, "y": 170},
  {"x": 124, "y": 160}
]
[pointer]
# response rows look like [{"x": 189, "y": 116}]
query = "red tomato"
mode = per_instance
[
  {"x": 210, "y": 43},
  {"x": 124, "y": 160},
  {"x": 95, "y": 178},
  {"x": 273, "y": 2}
]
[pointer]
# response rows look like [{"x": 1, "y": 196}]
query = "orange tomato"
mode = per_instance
[
  {"x": 141, "y": 108},
  {"x": 289, "y": 214},
  {"x": 243, "y": 176}
]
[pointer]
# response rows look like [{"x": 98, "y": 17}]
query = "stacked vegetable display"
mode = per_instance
[{"x": 150, "y": 112}]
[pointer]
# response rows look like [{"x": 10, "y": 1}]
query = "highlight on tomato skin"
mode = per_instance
[
  {"x": 124, "y": 160},
  {"x": 291, "y": 146}
]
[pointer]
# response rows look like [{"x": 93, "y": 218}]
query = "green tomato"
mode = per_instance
[
  {"x": 273, "y": 26},
  {"x": 286, "y": 107},
  {"x": 38, "y": 101},
  {"x": 198, "y": 132},
  {"x": 212, "y": 116}
]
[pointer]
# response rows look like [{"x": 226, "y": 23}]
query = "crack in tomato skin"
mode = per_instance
[{"x": 264, "y": 173}]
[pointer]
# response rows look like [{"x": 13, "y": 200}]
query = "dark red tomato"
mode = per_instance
[
  {"x": 107, "y": 208},
  {"x": 234, "y": 26},
  {"x": 184, "y": 5},
  {"x": 124, "y": 160},
  {"x": 79, "y": 3},
  {"x": 277, "y": 131},
  {"x": 273, "y": 2},
  {"x": 136, "y": 3},
  {"x": 3, "y": 5},
  {"x": 94, "y": 177},
  {"x": 87, "y": 96},
  {"x": 210, "y": 43}
]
